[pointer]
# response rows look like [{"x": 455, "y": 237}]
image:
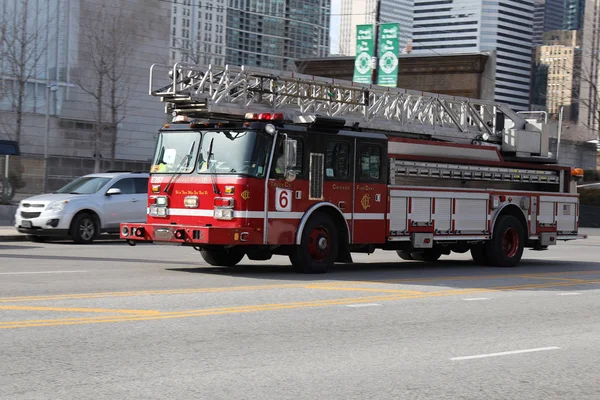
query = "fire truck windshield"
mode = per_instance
[
  {"x": 234, "y": 152},
  {"x": 176, "y": 152}
]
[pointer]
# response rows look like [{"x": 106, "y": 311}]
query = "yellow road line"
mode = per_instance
[
  {"x": 355, "y": 289},
  {"x": 278, "y": 286},
  {"x": 79, "y": 310},
  {"x": 278, "y": 306}
]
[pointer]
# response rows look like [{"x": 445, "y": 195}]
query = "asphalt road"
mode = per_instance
[{"x": 109, "y": 321}]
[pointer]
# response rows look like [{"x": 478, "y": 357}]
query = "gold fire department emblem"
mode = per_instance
[
  {"x": 365, "y": 202},
  {"x": 246, "y": 194}
]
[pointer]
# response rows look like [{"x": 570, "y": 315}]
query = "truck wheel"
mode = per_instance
[
  {"x": 319, "y": 245},
  {"x": 429, "y": 255},
  {"x": 222, "y": 257},
  {"x": 83, "y": 229},
  {"x": 405, "y": 255},
  {"x": 505, "y": 249},
  {"x": 479, "y": 255}
]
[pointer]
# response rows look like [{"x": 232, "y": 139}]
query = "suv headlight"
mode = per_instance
[{"x": 57, "y": 206}]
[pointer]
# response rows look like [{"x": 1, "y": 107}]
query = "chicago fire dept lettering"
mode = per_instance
[{"x": 245, "y": 194}]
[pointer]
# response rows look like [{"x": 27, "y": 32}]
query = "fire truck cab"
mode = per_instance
[{"x": 319, "y": 186}]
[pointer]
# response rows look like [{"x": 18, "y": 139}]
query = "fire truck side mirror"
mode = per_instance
[{"x": 289, "y": 155}]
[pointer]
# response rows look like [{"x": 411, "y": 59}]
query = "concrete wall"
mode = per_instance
[{"x": 578, "y": 154}]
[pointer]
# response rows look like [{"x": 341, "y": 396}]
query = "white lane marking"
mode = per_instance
[
  {"x": 476, "y": 298},
  {"x": 40, "y": 272},
  {"x": 568, "y": 294},
  {"x": 363, "y": 305},
  {"x": 505, "y": 353}
]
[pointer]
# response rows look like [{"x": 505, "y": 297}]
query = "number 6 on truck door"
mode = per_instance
[{"x": 283, "y": 199}]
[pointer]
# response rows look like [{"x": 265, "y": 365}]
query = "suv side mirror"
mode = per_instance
[{"x": 113, "y": 191}]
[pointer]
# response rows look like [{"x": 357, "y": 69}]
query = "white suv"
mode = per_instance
[{"x": 86, "y": 207}]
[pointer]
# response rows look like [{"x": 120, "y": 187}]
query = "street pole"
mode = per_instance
[{"x": 376, "y": 41}]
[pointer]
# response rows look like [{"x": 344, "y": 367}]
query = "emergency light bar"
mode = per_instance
[{"x": 264, "y": 116}]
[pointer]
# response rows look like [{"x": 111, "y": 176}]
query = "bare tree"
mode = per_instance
[
  {"x": 108, "y": 41},
  {"x": 21, "y": 52}
]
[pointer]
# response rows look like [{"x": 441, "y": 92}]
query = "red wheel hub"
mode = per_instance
[
  {"x": 511, "y": 242},
  {"x": 319, "y": 243}
]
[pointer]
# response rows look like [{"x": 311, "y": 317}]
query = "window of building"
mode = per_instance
[
  {"x": 370, "y": 162},
  {"x": 337, "y": 160}
]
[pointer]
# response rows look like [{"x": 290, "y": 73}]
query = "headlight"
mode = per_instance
[
  {"x": 56, "y": 206},
  {"x": 223, "y": 213}
]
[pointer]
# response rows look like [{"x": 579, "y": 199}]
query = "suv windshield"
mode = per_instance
[
  {"x": 176, "y": 152},
  {"x": 84, "y": 185},
  {"x": 234, "y": 152}
]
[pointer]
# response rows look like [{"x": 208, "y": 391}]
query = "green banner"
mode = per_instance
[
  {"x": 387, "y": 71},
  {"x": 365, "y": 47}
]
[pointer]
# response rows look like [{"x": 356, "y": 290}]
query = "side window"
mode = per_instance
[
  {"x": 126, "y": 185},
  {"x": 337, "y": 160},
  {"x": 370, "y": 162},
  {"x": 141, "y": 185}
]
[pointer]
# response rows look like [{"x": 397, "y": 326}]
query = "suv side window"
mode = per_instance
[
  {"x": 141, "y": 185},
  {"x": 126, "y": 185},
  {"x": 370, "y": 162},
  {"x": 337, "y": 160}
]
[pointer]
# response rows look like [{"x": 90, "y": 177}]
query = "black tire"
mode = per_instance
[
  {"x": 11, "y": 190},
  {"x": 429, "y": 255},
  {"x": 405, "y": 255},
  {"x": 222, "y": 257},
  {"x": 505, "y": 249},
  {"x": 84, "y": 229},
  {"x": 319, "y": 246},
  {"x": 36, "y": 238},
  {"x": 479, "y": 255}
]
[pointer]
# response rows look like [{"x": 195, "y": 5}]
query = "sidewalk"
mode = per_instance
[{"x": 10, "y": 234}]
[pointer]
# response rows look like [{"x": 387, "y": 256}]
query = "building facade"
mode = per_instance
[
  {"x": 505, "y": 26},
  {"x": 246, "y": 32},
  {"x": 559, "y": 58},
  {"x": 548, "y": 15},
  {"x": 363, "y": 12},
  {"x": 589, "y": 117},
  {"x": 198, "y": 31},
  {"x": 573, "y": 15},
  {"x": 59, "y": 117}
]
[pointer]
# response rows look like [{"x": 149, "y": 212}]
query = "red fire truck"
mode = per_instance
[{"x": 258, "y": 162}]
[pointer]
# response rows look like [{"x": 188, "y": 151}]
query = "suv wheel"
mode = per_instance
[{"x": 83, "y": 229}]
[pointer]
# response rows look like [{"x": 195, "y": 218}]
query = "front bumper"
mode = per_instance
[
  {"x": 191, "y": 235},
  {"x": 47, "y": 223}
]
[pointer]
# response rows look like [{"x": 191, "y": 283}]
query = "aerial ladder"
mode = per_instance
[{"x": 231, "y": 91}]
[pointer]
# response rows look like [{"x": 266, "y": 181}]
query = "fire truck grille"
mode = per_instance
[{"x": 316, "y": 176}]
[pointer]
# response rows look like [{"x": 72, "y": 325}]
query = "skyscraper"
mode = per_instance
[
  {"x": 589, "y": 116},
  {"x": 359, "y": 12},
  {"x": 245, "y": 32},
  {"x": 573, "y": 14},
  {"x": 547, "y": 16},
  {"x": 559, "y": 58},
  {"x": 465, "y": 26}
]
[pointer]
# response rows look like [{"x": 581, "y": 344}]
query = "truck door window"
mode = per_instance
[
  {"x": 370, "y": 162},
  {"x": 337, "y": 160}
]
